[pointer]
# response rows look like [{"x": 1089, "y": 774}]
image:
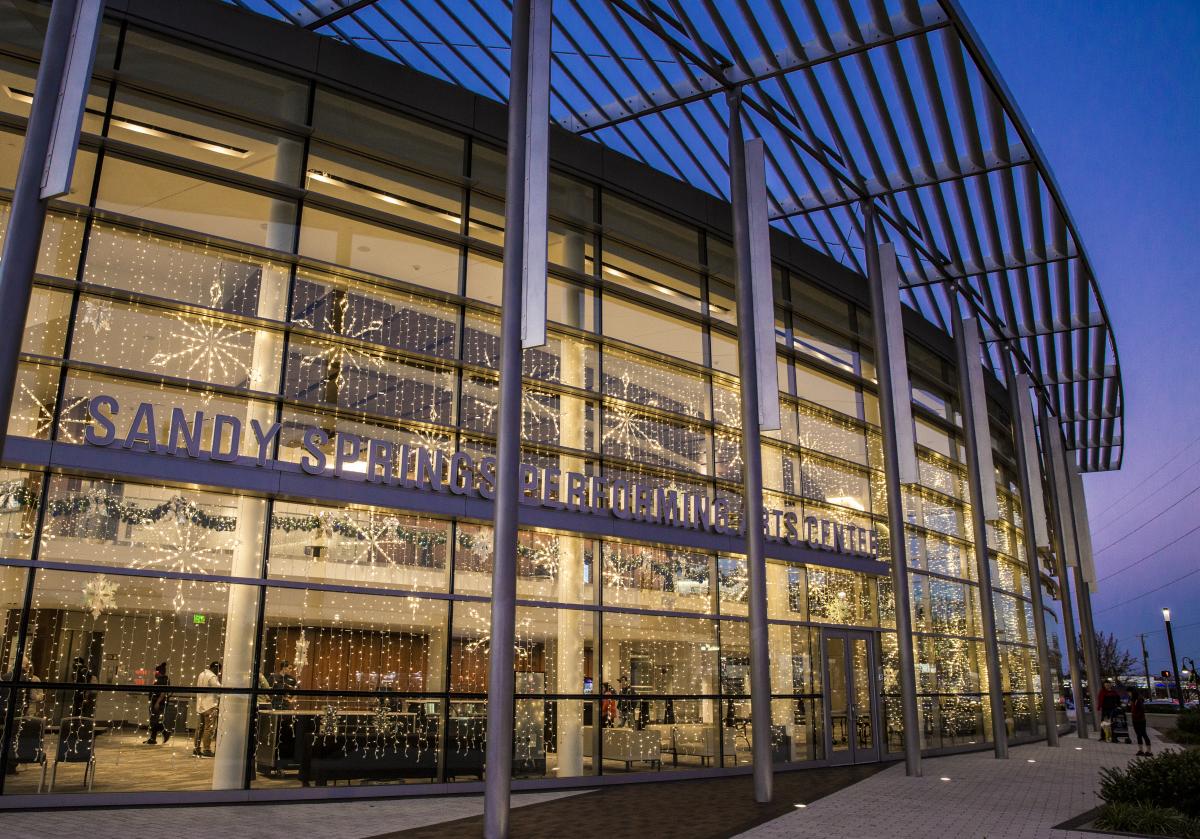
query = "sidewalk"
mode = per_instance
[
  {"x": 983, "y": 798},
  {"x": 1025, "y": 796}
]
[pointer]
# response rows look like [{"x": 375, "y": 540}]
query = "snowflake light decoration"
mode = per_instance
[
  {"x": 39, "y": 413},
  {"x": 209, "y": 350},
  {"x": 346, "y": 323},
  {"x": 627, "y": 430},
  {"x": 182, "y": 546},
  {"x": 99, "y": 595},
  {"x": 97, "y": 314},
  {"x": 380, "y": 538}
]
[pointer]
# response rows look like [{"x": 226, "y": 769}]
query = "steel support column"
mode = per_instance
[
  {"x": 27, "y": 218},
  {"x": 895, "y": 500},
  {"x": 1027, "y": 471},
  {"x": 973, "y": 406},
  {"x": 1087, "y": 636},
  {"x": 1049, "y": 446},
  {"x": 1084, "y": 577},
  {"x": 752, "y": 519},
  {"x": 498, "y": 766}
]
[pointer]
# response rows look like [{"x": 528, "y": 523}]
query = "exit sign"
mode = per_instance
[{"x": 199, "y": 619}]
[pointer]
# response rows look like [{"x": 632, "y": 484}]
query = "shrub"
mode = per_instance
[
  {"x": 1146, "y": 819},
  {"x": 1187, "y": 727},
  {"x": 1169, "y": 779}
]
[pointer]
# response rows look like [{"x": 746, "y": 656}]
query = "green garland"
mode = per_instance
[
  {"x": 346, "y": 527},
  {"x": 128, "y": 512}
]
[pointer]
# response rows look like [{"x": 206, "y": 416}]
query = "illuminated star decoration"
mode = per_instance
[
  {"x": 209, "y": 350},
  {"x": 346, "y": 323},
  {"x": 99, "y": 595}
]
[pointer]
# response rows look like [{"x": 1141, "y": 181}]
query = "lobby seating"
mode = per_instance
[
  {"x": 29, "y": 745},
  {"x": 700, "y": 740},
  {"x": 76, "y": 744},
  {"x": 627, "y": 745}
]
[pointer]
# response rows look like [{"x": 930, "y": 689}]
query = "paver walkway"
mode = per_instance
[{"x": 1025, "y": 796}]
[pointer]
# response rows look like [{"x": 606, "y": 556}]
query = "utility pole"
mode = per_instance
[{"x": 1146, "y": 666}]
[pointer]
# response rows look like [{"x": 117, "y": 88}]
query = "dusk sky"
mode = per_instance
[{"x": 1112, "y": 92}]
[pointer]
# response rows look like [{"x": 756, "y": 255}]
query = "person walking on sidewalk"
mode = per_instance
[{"x": 1137, "y": 713}]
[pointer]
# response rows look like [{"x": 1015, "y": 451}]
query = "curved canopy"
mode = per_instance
[{"x": 890, "y": 101}]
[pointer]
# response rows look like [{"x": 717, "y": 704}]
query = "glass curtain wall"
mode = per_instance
[{"x": 242, "y": 242}]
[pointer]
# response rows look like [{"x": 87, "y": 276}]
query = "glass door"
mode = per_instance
[{"x": 850, "y": 709}]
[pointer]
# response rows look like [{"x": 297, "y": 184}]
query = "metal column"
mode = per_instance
[
  {"x": 531, "y": 25},
  {"x": 973, "y": 406},
  {"x": 752, "y": 499},
  {"x": 1053, "y": 472},
  {"x": 887, "y": 346},
  {"x": 27, "y": 218},
  {"x": 1085, "y": 576},
  {"x": 1028, "y": 470}
]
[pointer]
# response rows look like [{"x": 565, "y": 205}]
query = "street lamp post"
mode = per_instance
[{"x": 1174, "y": 661}]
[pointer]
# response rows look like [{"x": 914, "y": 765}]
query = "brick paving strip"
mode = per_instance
[
  {"x": 1036, "y": 789},
  {"x": 707, "y": 808}
]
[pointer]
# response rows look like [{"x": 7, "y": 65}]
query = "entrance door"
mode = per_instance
[{"x": 851, "y": 717}]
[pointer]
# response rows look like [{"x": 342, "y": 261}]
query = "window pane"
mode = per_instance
[
  {"x": 360, "y": 125},
  {"x": 171, "y": 127},
  {"x": 143, "y": 526},
  {"x": 46, "y": 325},
  {"x": 358, "y": 642},
  {"x": 384, "y": 188},
  {"x": 363, "y": 312},
  {"x": 352, "y": 243},
  {"x": 20, "y": 498},
  {"x": 193, "y": 204},
  {"x": 180, "y": 345},
  {"x": 644, "y": 327},
  {"x": 147, "y": 263},
  {"x": 550, "y": 566},
  {"x": 650, "y": 577}
]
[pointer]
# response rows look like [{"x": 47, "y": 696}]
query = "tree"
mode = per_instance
[{"x": 1115, "y": 663}]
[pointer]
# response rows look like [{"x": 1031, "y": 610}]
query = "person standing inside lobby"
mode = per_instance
[
  {"x": 207, "y": 707},
  {"x": 158, "y": 705}
]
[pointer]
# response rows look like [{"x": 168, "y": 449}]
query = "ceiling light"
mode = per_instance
[
  {"x": 169, "y": 134},
  {"x": 313, "y": 174},
  {"x": 944, "y": 778},
  {"x": 19, "y": 95}
]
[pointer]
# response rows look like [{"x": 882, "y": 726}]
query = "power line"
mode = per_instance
[
  {"x": 1113, "y": 521},
  {"x": 1155, "y": 552},
  {"x": 1148, "y": 521},
  {"x": 1150, "y": 592},
  {"x": 1142, "y": 483},
  {"x": 1157, "y": 631}
]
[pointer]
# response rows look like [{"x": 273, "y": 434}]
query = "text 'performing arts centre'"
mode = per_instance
[{"x": 254, "y": 461}]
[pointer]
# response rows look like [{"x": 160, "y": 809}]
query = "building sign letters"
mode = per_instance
[{"x": 375, "y": 461}]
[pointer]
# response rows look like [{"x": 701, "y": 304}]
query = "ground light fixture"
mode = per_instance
[{"x": 945, "y": 778}]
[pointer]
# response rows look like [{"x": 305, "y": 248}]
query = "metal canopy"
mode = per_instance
[{"x": 888, "y": 101}]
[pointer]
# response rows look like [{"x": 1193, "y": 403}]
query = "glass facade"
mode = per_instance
[{"x": 272, "y": 249}]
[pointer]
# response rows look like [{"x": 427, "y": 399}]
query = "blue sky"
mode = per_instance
[{"x": 1112, "y": 92}]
